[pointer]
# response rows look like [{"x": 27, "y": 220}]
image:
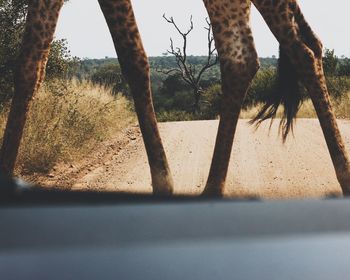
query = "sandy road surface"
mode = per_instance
[{"x": 260, "y": 164}]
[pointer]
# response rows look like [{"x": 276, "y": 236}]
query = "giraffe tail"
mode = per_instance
[{"x": 287, "y": 93}]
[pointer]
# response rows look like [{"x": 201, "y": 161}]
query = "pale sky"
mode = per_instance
[{"x": 82, "y": 24}]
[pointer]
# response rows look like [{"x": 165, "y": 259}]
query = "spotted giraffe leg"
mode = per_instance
[
  {"x": 30, "y": 71},
  {"x": 238, "y": 64},
  {"x": 135, "y": 67},
  {"x": 305, "y": 51}
]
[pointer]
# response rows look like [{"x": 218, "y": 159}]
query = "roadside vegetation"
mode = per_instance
[
  {"x": 66, "y": 121},
  {"x": 341, "y": 107}
]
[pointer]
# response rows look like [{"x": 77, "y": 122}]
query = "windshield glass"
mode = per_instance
[{"x": 179, "y": 104}]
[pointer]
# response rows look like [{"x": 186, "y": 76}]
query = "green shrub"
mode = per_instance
[
  {"x": 110, "y": 75},
  {"x": 175, "y": 115},
  {"x": 262, "y": 86},
  {"x": 211, "y": 100},
  {"x": 338, "y": 86}
]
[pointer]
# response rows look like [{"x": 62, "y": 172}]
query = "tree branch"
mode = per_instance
[{"x": 187, "y": 70}]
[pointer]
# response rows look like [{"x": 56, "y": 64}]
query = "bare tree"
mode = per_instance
[{"x": 190, "y": 73}]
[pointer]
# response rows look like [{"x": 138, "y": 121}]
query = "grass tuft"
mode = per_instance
[
  {"x": 66, "y": 121},
  {"x": 341, "y": 107}
]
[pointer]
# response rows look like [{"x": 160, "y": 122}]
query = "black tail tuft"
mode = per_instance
[{"x": 287, "y": 92}]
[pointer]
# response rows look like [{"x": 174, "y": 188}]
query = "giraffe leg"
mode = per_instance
[
  {"x": 135, "y": 67},
  {"x": 308, "y": 36},
  {"x": 39, "y": 30},
  {"x": 238, "y": 64},
  {"x": 305, "y": 52}
]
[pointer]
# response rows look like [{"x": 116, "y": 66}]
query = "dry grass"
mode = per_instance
[
  {"x": 66, "y": 122},
  {"x": 341, "y": 108}
]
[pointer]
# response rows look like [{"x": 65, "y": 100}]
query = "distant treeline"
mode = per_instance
[{"x": 87, "y": 66}]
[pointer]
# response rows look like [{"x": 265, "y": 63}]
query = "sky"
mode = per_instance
[{"x": 81, "y": 22}]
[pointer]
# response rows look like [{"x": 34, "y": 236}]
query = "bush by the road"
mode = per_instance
[{"x": 66, "y": 121}]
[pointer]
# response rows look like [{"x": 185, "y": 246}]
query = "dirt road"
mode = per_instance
[{"x": 261, "y": 166}]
